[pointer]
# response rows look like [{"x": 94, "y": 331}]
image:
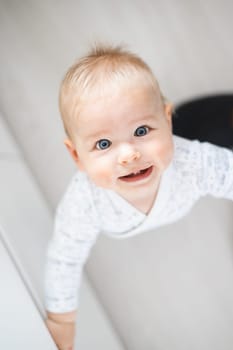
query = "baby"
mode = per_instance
[{"x": 133, "y": 174}]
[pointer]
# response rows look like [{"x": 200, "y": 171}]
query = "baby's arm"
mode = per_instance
[
  {"x": 75, "y": 232},
  {"x": 63, "y": 279},
  {"x": 62, "y": 329}
]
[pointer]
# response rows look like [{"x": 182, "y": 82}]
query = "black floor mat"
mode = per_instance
[{"x": 206, "y": 119}]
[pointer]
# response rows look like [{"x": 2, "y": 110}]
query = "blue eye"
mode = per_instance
[
  {"x": 103, "y": 144},
  {"x": 141, "y": 131}
]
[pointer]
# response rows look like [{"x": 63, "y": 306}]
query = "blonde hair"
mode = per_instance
[{"x": 102, "y": 70}]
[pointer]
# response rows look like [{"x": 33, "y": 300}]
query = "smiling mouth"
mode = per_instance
[{"x": 141, "y": 174}]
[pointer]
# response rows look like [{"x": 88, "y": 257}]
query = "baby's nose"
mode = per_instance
[{"x": 128, "y": 154}]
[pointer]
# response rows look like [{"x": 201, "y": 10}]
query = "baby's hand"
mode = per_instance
[{"x": 62, "y": 333}]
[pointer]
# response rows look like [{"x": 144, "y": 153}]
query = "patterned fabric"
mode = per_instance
[{"x": 86, "y": 210}]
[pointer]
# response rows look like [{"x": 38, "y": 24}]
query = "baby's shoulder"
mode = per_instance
[
  {"x": 201, "y": 161},
  {"x": 187, "y": 153},
  {"x": 185, "y": 149},
  {"x": 198, "y": 153},
  {"x": 77, "y": 196},
  {"x": 189, "y": 162}
]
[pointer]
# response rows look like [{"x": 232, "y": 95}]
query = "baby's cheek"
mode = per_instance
[
  {"x": 101, "y": 176},
  {"x": 167, "y": 152},
  {"x": 163, "y": 151}
]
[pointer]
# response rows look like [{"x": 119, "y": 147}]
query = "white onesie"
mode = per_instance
[{"x": 86, "y": 210}]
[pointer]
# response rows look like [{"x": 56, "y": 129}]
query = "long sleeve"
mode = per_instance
[
  {"x": 215, "y": 176},
  {"x": 75, "y": 232}
]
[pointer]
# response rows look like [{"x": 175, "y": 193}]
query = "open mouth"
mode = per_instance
[{"x": 141, "y": 174}]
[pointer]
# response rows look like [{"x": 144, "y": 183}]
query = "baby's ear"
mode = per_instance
[
  {"x": 168, "y": 108},
  {"x": 72, "y": 150}
]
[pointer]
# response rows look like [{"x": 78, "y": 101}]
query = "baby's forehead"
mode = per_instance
[
  {"x": 82, "y": 104},
  {"x": 107, "y": 89},
  {"x": 134, "y": 101}
]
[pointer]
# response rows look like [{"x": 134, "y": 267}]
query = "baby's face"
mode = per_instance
[{"x": 124, "y": 141}]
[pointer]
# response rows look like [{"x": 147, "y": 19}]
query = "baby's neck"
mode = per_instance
[{"x": 144, "y": 204}]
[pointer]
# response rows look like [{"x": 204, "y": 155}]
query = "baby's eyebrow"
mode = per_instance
[
  {"x": 97, "y": 134},
  {"x": 146, "y": 119}
]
